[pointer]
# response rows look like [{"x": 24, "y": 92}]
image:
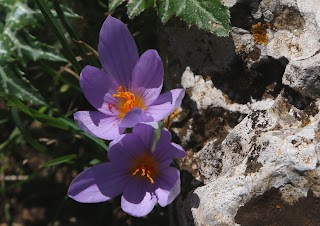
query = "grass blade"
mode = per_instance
[
  {"x": 57, "y": 29},
  {"x": 56, "y": 161}
]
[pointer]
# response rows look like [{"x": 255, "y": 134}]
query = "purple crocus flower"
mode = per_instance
[
  {"x": 127, "y": 90},
  {"x": 144, "y": 177}
]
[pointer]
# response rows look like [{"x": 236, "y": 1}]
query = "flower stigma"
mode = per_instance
[
  {"x": 126, "y": 101},
  {"x": 147, "y": 166}
]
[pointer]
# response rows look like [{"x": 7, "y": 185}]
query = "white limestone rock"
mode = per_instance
[
  {"x": 270, "y": 148},
  {"x": 304, "y": 76},
  {"x": 294, "y": 32},
  {"x": 205, "y": 95}
]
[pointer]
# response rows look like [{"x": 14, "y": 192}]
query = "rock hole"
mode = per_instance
[
  {"x": 241, "y": 14},
  {"x": 296, "y": 99},
  {"x": 262, "y": 80}
]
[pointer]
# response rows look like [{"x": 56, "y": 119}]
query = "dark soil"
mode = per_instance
[{"x": 269, "y": 209}]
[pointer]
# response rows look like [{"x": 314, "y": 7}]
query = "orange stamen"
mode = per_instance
[
  {"x": 127, "y": 101},
  {"x": 148, "y": 167},
  {"x": 149, "y": 177},
  {"x": 135, "y": 172}
]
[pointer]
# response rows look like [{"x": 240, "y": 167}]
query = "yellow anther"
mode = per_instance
[
  {"x": 143, "y": 172},
  {"x": 148, "y": 167},
  {"x": 127, "y": 101},
  {"x": 135, "y": 172},
  {"x": 150, "y": 178}
]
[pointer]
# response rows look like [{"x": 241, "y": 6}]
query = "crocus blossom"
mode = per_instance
[
  {"x": 127, "y": 90},
  {"x": 137, "y": 170}
]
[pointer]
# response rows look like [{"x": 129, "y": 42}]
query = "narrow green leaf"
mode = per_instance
[
  {"x": 157, "y": 134},
  {"x": 60, "y": 123},
  {"x": 34, "y": 143},
  {"x": 95, "y": 140},
  {"x": 94, "y": 162},
  {"x": 69, "y": 12},
  {"x": 43, "y": 118},
  {"x": 57, "y": 29},
  {"x": 12, "y": 82},
  {"x": 60, "y": 160},
  {"x": 75, "y": 127},
  {"x": 61, "y": 13},
  {"x": 14, "y": 134}
]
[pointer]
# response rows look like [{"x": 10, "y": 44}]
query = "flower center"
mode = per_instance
[
  {"x": 126, "y": 101},
  {"x": 145, "y": 166}
]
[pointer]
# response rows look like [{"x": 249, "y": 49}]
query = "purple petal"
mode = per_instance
[
  {"x": 146, "y": 133},
  {"x": 98, "y": 184},
  {"x": 115, "y": 141},
  {"x": 126, "y": 150},
  {"x": 165, "y": 104},
  {"x": 166, "y": 152},
  {"x": 117, "y": 50},
  {"x": 169, "y": 186},
  {"x": 147, "y": 77},
  {"x": 135, "y": 200},
  {"x": 95, "y": 84},
  {"x": 165, "y": 137},
  {"x": 135, "y": 190},
  {"x": 98, "y": 124},
  {"x": 133, "y": 117}
]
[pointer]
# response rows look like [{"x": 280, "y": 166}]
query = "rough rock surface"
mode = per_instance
[
  {"x": 293, "y": 34},
  {"x": 304, "y": 76},
  {"x": 273, "y": 140},
  {"x": 202, "y": 91},
  {"x": 269, "y": 148}
]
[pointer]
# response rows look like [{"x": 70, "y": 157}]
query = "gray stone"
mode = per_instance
[
  {"x": 304, "y": 76},
  {"x": 276, "y": 145},
  {"x": 205, "y": 95},
  {"x": 270, "y": 148}
]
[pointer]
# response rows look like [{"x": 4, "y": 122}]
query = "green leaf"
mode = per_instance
[
  {"x": 60, "y": 160},
  {"x": 168, "y": 8},
  {"x": 17, "y": 44},
  {"x": 20, "y": 15},
  {"x": 34, "y": 143},
  {"x": 114, "y": 4},
  {"x": 35, "y": 50},
  {"x": 60, "y": 123},
  {"x": 69, "y": 12},
  {"x": 75, "y": 127},
  {"x": 59, "y": 32},
  {"x": 209, "y": 15},
  {"x": 12, "y": 82},
  {"x": 157, "y": 134},
  {"x": 14, "y": 134},
  {"x": 135, "y": 7}
]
